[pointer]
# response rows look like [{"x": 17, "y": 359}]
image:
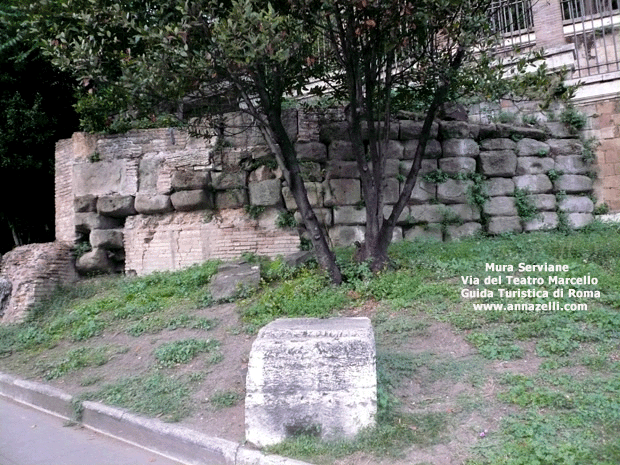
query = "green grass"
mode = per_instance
[
  {"x": 564, "y": 412},
  {"x": 155, "y": 395},
  {"x": 183, "y": 351}
]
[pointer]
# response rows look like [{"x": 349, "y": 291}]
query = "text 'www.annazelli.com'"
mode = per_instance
[{"x": 551, "y": 306}]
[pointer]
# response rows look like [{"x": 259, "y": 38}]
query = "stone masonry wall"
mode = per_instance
[{"x": 161, "y": 200}]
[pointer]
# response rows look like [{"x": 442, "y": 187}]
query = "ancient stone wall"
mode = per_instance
[
  {"x": 162, "y": 200},
  {"x": 34, "y": 271}
]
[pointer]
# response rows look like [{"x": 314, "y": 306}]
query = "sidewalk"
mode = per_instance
[
  {"x": 31, "y": 437},
  {"x": 178, "y": 443}
]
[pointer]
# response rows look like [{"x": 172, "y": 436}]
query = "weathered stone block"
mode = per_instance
[
  {"x": 458, "y": 165},
  {"x": 85, "y": 204},
  {"x": 223, "y": 180},
  {"x": 185, "y": 180},
  {"x": 573, "y": 183},
  {"x": 543, "y": 221},
  {"x": 532, "y": 148},
  {"x": 576, "y": 204},
  {"x": 558, "y": 129},
  {"x": 413, "y": 129},
  {"x": 340, "y": 150},
  {"x": 392, "y": 149},
  {"x": 466, "y": 212},
  {"x": 504, "y": 224},
  {"x": 499, "y": 186},
  {"x": 500, "y": 206},
  {"x": 344, "y": 236},
  {"x": 453, "y": 191},
  {"x": 95, "y": 261},
  {"x": 534, "y": 165},
  {"x": 232, "y": 278},
  {"x": 451, "y": 111},
  {"x": 262, "y": 173},
  {"x": 458, "y": 130},
  {"x": 323, "y": 215},
  {"x": 424, "y": 232},
  {"x": 148, "y": 204},
  {"x": 334, "y": 131},
  {"x": 116, "y": 206},
  {"x": 565, "y": 147},
  {"x": 579, "y": 220},
  {"x": 266, "y": 193},
  {"x": 542, "y": 201},
  {"x": 498, "y": 163},
  {"x": 231, "y": 198},
  {"x": 148, "y": 171},
  {"x": 533, "y": 183},
  {"x": 433, "y": 149},
  {"x": 106, "y": 238},
  {"x": 571, "y": 164},
  {"x": 426, "y": 213},
  {"x": 454, "y": 232},
  {"x": 86, "y": 222},
  {"x": 460, "y": 148},
  {"x": 313, "y": 151},
  {"x": 185, "y": 201},
  {"x": 498, "y": 144},
  {"x": 391, "y": 191},
  {"x": 311, "y": 376},
  {"x": 342, "y": 169},
  {"x": 349, "y": 215},
  {"x": 511, "y": 131},
  {"x": 343, "y": 192},
  {"x": 315, "y": 195},
  {"x": 101, "y": 178}
]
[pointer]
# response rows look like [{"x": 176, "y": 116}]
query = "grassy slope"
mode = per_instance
[{"x": 565, "y": 412}]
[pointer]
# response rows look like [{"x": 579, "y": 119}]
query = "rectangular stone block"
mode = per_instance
[
  {"x": 311, "y": 376},
  {"x": 343, "y": 192},
  {"x": 498, "y": 163}
]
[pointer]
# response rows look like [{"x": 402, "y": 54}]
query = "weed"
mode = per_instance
[
  {"x": 310, "y": 294},
  {"x": 183, "y": 351},
  {"x": 525, "y": 207},
  {"x": 554, "y": 174},
  {"x": 224, "y": 399},
  {"x": 495, "y": 346},
  {"x": 437, "y": 177},
  {"x": 254, "y": 211},
  {"x": 574, "y": 119},
  {"x": 74, "y": 360},
  {"x": 601, "y": 209},
  {"x": 588, "y": 153},
  {"x": 156, "y": 395},
  {"x": 286, "y": 220}
]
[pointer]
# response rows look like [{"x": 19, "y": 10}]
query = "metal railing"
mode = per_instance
[
  {"x": 514, "y": 20},
  {"x": 594, "y": 27}
]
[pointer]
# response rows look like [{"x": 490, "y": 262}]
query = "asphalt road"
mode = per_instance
[{"x": 31, "y": 437}]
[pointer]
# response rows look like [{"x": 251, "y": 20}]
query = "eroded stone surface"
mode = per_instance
[{"x": 311, "y": 376}]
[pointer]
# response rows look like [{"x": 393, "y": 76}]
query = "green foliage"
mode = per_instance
[
  {"x": 574, "y": 119},
  {"x": 601, "y": 209},
  {"x": 225, "y": 399},
  {"x": 254, "y": 211},
  {"x": 286, "y": 220},
  {"x": 309, "y": 294},
  {"x": 437, "y": 177},
  {"x": 554, "y": 174},
  {"x": 588, "y": 154},
  {"x": 156, "y": 395},
  {"x": 74, "y": 360},
  {"x": 183, "y": 351},
  {"x": 525, "y": 206}
]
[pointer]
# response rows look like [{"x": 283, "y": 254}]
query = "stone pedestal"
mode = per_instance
[{"x": 311, "y": 376}]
